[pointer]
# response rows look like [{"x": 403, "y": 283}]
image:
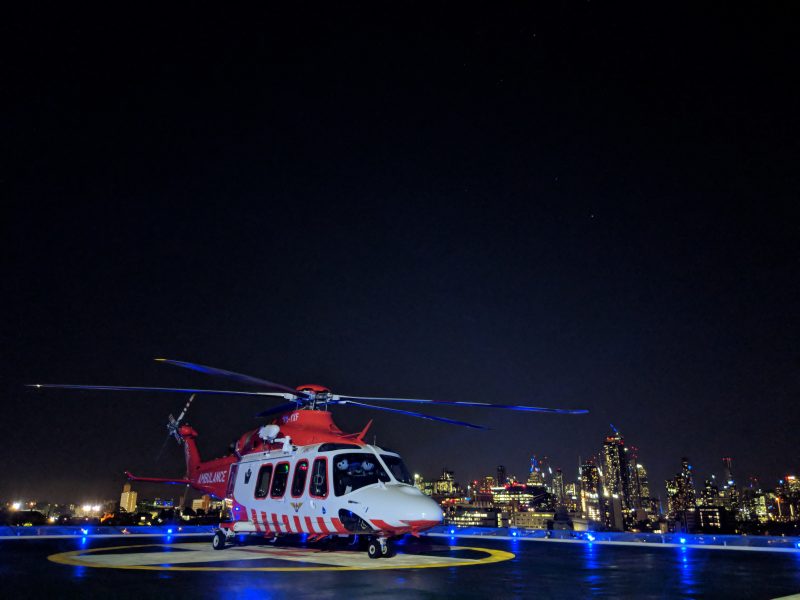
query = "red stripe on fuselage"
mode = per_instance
[
  {"x": 255, "y": 520},
  {"x": 287, "y": 524},
  {"x": 309, "y": 526},
  {"x": 338, "y": 524},
  {"x": 383, "y": 525},
  {"x": 322, "y": 526},
  {"x": 276, "y": 523},
  {"x": 297, "y": 526},
  {"x": 265, "y": 522}
]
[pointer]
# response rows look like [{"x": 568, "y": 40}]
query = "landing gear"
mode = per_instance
[
  {"x": 218, "y": 542},
  {"x": 380, "y": 548}
]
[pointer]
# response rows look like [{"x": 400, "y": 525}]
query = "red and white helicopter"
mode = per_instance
[{"x": 301, "y": 474}]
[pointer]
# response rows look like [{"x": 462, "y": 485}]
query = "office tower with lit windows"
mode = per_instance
[
  {"x": 535, "y": 476},
  {"x": 681, "y": 498},
  {"x": 446, "y": 485},
  {"x": 558, "y": 488},
  {"x": 127, "y": 501},
  {"x": 590, "y": 492},
  {"x": 616, "y": 474}
]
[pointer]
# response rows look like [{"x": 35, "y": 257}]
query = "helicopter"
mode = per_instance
[{"x": 300, "y": 473}]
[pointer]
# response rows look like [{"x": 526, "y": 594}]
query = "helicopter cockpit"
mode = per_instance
[{"x": 354, "y": 470}]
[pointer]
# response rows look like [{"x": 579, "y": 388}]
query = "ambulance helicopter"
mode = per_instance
[{"x": 301, "y": 474}]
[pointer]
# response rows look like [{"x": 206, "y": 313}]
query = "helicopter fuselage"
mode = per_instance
[{"x": 330, "y": 482}]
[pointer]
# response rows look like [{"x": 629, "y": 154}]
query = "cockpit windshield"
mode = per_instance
[
  {"x": 398, "y": 469},
  {"x": 354, "y": 470}
]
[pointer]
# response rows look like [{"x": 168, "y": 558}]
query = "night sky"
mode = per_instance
[{"x": 571, "y": 205}]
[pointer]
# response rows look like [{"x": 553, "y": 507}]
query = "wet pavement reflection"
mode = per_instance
[{"x": 538, "y": 569}]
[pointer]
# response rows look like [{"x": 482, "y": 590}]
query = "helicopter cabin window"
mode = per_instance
[
  {"x": 299, "y": 479},
  {"x": 319, "y": 479},
  {"x": 398, "y": 469},
  {"x": 262, "y": 482},
  {"x": 354, "y": 470},
  {"x": 279, "y": 480}
]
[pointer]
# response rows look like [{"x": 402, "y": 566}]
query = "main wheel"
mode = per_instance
[
  {"x": 387, "y": 550},
  {"x": 374, "y": 549},
  {"x": 218, "y": 542}
]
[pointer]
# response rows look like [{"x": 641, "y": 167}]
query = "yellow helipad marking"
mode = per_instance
[{"x": 324, "y": 561}]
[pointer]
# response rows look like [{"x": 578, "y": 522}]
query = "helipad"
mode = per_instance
[{"x": 197, "y": 556}]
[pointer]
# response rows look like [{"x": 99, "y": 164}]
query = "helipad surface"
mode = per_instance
[{"x": 429, "y": 568}]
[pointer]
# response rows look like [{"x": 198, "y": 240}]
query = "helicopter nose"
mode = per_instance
[{"x": 400, "y": 503}]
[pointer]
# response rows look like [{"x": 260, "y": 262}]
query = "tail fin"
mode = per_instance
[{"x": 190, "y": 451}]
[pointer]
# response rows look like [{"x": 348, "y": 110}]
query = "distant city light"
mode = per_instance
[{"x": 16, "y": 505}]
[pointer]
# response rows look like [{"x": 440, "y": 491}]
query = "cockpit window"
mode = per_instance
[
  {"x": 354, "y": 470},
  {"x": 398, "y": 469}
]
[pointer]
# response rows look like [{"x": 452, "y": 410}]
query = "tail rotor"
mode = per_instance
[{"x": 173, "y": 425}]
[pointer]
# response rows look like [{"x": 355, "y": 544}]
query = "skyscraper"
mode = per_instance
[
  {"x": 590, "y": 491},
  {"x": 536, "y": 476},
  {"x": 616, "y": 473},
  {"x": 558, "y": 488},
  {"x": 681, "y": 500},
  {"x": 502, "y": 478}
]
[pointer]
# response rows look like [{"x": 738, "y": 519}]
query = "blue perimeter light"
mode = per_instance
[
  {"x": 683, "y": 540},
  {"x": 514, "y": 533},
  {"x": 590, "y": 537}
]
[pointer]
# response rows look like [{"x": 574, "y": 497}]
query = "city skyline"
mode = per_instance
[{"x": 660, "y": 488}]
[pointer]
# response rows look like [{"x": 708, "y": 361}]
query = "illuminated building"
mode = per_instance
[
  {"x": 536, "y": 476},
  {"x": 446, "y": 484},
  {"x": 502, "y": 479},
  {"x": 641, "y": 474},
  {"x": 711, "y": 518},
  {"x": 203, "y": 503},
  {"x": 532, "y": 520},
  {"x": 731, "y": 498},
  {"x": 487, "y": 483},
  {"x": 612, "y": 512},
  {"x": 127, "y": 501},
  {"x": 467, "y": 515},
  {"x": 558, "y": 488},
  {"x": 572, "y": 500},
  {"x": 681, "y": 497},
  {"x": 710, "y": 495},
  {"x": 590, "y": 491},
  {"x": 616, "y": 473},
  {"x": 517, "y": 497}
]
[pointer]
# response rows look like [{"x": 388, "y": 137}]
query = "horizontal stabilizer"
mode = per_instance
[{"x": 133, "y": 477}]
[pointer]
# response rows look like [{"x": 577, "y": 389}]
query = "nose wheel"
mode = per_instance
[{"x": 380, "y": 548}]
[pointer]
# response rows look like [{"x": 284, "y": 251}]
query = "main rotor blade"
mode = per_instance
[
  {"x": 560, "y": 411},
  {"x": 408, "y": 412},
  {"x": 249, "y": 379},
  {"x": 122, "y": 388}
]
